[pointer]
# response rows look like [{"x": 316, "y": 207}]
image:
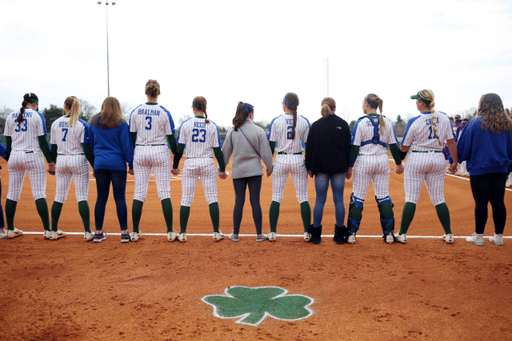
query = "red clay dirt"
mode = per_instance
[{"x": 151, "y": 290}]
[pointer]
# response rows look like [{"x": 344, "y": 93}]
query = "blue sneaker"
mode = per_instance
[
  {"x": 99, "y": 237},
  {"x": 125, "y": 237}
]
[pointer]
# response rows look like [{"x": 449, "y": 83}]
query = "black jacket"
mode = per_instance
[{"x": 328, "y": 146}]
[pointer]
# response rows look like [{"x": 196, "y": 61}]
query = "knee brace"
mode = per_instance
[
  {"x": 388, "y": 225},
  {"x": 352, "y": 224}
]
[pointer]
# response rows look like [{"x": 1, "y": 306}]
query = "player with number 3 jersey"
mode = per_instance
[{"x": 423, "y": 138}]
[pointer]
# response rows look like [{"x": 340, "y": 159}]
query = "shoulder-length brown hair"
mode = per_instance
[
  {"x": 111, "y": 114},
  {"x": 495, "y": 116}
]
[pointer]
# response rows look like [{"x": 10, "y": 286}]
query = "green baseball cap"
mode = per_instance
[{"x": 417, "y": 96}]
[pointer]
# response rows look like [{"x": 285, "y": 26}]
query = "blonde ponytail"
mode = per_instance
[
  {"x": 326, "y": 111},
  {"x": 73, "y": 105}
]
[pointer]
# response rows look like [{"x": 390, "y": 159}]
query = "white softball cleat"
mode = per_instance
[
  {"x": 54, "y": 235},
  {"x": 14, "y": 233},
  {"x": 135, "y": 236},
  {"x": 171, "y": 236},
  {"x": 497, "y": 239},
  {"x": 401, "y": 238},
  {"x": 307, "y": 236},
  {"x": 389, "y": 238},
  {"x": 476, "y": 238},
  {"x": 448, "y": 238},
  {"x": 351, "y": 239},
  {"x": 88, "y": 236},
  {"x": 272, "y": 237},
  {"x": 217, "y": 236},
  {"x": 47, "y": 234},
  {"x": 182, "y": 238}
]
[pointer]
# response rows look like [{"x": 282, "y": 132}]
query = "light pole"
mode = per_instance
[{"x": 106, "y": 16}]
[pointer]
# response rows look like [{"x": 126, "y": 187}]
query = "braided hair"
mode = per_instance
[
  {"x": 27, "y": 98},
  {"x": 427, "y": 97},
  {"x": 292, "y": 102},
  {"x": 201, "y": 102},
  {"x": 374, "y": 101}
]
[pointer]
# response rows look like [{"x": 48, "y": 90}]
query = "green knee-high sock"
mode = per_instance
[
  {"x": 184, "y": 213},
  {"x": 386, "y": 212},
  {"x": 56, "y": 209},
  {"x": 273, "y": 213},
  {"x": 356, "y": 214},
  {"x": 444, "y": 217},
  {"x": 215, "y": 216},
  {"x": 167, "y": 209},
  {"x": 136, "y": 214},
  {"x": 83, "y": 209},
  {"x": 305, "y": 212},
  {"x": 10, "y": 210},
  {"x": 42, "y": 209},
  {"x": 407, "y": 216}
]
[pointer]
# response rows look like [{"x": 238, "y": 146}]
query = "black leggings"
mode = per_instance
[
  {"x": 254, "y": 184},
  {"x": 485, "y": 188}
]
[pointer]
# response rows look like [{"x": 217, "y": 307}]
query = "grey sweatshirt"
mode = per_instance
[{"x": 246, "y": 162}]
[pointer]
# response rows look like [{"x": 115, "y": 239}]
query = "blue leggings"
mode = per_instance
[
  {"x": 321, "y": 186},
  {"x": 103, "y": 179}
]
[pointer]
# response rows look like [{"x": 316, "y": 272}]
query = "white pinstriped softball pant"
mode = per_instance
[
  {"x": 21, "y": 163},
  {"x": 427, "y": 167},
  {"x": 158, "y": 159},
  {"x": 194, "y": 168},
  {"x": 295, "y": 165},
  {"x": 73, "y": 167},
  {"x": 373, "y": 168}
]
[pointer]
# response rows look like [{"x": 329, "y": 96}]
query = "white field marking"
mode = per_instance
[
  {"x": 458, "y": 177},
  {"x": 254, "y": 235}
]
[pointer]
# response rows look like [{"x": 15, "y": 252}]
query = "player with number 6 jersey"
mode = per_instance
[
  {"x": 25, "y": 133},
  {"x": 289, "y": 131},
  {"x": 70, "y": 145},
  {"x": 423, "y": 138},
  {"x": 199, "y": 135},
  {"x": 150, "y": 123}
]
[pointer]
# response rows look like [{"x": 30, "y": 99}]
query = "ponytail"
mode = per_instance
[
  {"x": 427, "y": 97},
  {"x": 73, "y": 105},
  {"x": 374, "y": 101},
  {"x": 199, "y": 102},
  {"x": 292, "y": 102},
  {"x": 242, "y": 111},
  {"x": 433, "y": 112},
  {"x": 27, "y": 98},
  {"x": 326, "y": 111}
]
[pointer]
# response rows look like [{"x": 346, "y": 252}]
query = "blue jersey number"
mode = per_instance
[
  {"x": 432, "y": 134},
  {"x": 199, "y": 135},
  {"x": 149, "y": 119},
  {"x": 65, "y": 131},
  {"x": 21, "y": 126},
  {"x": 289, "y": 134}
]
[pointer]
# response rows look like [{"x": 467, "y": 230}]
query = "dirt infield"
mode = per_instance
[{"x": 153, "y": 290}]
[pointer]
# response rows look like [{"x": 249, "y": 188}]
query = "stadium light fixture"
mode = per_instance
[{"x": 100, "y": 2}]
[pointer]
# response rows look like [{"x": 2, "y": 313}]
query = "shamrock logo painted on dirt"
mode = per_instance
[{"x": 253, "y": 305}]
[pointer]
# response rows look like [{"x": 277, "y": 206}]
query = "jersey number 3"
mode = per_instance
[
  {"x": 199, "y": 135},
  {"x": 21, "y": 126}
]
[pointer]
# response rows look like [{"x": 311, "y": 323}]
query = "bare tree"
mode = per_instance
[
  {"x": 127, "y": 109},
  {"x": 87, "y": 109},
  {"x": 5, "y": 111}
]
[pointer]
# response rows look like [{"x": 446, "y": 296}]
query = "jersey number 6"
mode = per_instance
[{"x": 201, "y": 133}]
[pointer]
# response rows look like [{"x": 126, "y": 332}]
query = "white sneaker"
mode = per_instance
[
  {"x": 234, "y": 237},
  {"x": 307, "y": 236},
  {"x": 14, "y": 233},
  {"x": 402, "y": 238},
  {"x": 134, "y": 236},
  {"x": 351, "y": 239},
  {"x": 88, "y": 236},
  {"x": 47, "y": 234},
  {"x": 3, "y": 234},
  {"x": 448, "y": 238},
  {"x": 54, "y": 235},
  {"x": 477, "y": 239},
  {"x": 217, "y": 236},
  {"x": 497, "y": 239},
  {"x": 182, "y": 237},
  {"x": 272, "y": 237},
  {"x": 389, "y": 238},
  {"x": 171, "y": 236}
]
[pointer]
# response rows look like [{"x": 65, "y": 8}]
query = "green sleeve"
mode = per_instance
[
  {"x": 178, "y": 155},
  {"x": 172, "y": 142},
  {"x": 396, "y": 153},
  {"x": 43, "y": 144},
  {"x": 272, "y": 146},
  {"x": 134, "y": 137},
  {"x": 354, "y": 152},
  {"x": 220, "y": 158},
  {"x": 8, "y": 147},
  {"x": 54, "y": 152},
  {"x": 88, "y": 153}
]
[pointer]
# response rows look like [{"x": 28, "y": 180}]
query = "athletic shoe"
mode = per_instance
[
  {"x": 351, "y": 239},
  {"x": 477, "y": 239},
  {"x": 47, "y": 234},
  {"x": 3, "y": 235},
  {"x": 217, "y": 236},
  {"x": 389, "y": 238},
  {"x": 99, "y": 237},
  {"x": 88, "y": 236},
  {"x": 272, "y": 237},
  {"x": 260, "y": 237},
  {"x": 402, "y": 238},
  {"x": 135, "y": 236},
  {"x": 307, "y": 236},
  {"x": 497, "y": 239},
  {"x": 14, "y": 233},
  {"x": 448, "y": 238},
  {"x": 54, "y": 235},
  {"x": 508, "y": 184},
  {"x": 125, "y": 237},
  {"x": 171, "y": 236},
  {"x": 182, "y": 237},
  {"x": 234, "y": 237}
]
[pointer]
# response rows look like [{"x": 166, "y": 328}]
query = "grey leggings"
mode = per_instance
[{"x": 254, "y": 184}]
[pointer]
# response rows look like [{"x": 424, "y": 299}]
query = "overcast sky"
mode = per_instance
[{"x": 256, "y": 52}]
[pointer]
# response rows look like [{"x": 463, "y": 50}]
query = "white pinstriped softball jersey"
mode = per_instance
[
  {"x": 373, "y": 162},
  {"x": 71, "y": 161},
  {"x": 293, "y": 161},
  {"x": 26, "y": 155},
  {"x": 152, "y": 122},
  {"x": 199, "y": 138},
  {"x": 429, "y": 165}
]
